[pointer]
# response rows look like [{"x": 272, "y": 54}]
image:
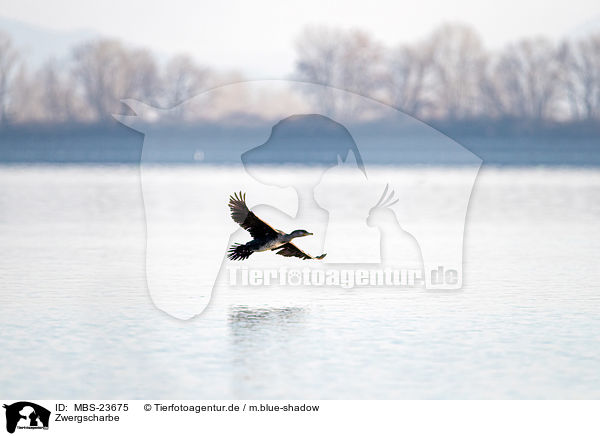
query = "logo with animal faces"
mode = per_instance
[
  {"x": 278, "y": 186},
  {"x": 25, "y": 415}
]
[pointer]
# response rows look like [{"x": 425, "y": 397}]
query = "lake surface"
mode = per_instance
[{"x": 78, "y": 322}]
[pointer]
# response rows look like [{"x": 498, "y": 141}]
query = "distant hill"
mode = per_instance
[{"x": 37, "y": 44}]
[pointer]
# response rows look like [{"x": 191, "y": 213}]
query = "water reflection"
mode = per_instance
[
  {"x": 243, "y": 318},
  {"x": 260, "y": 337}
]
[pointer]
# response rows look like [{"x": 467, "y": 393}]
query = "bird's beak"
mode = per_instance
[{"x": 309, "y": 234}]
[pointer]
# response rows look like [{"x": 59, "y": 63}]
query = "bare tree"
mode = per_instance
[
  {"x": 458, "y": 62},
  {"x": 9, "y": 60},
  {"x": 108, "y": 72},
  {"x": 182, "y": 80},
  {"x": 492, "y": 97},
  {"x": 580, "y": 76},
  {"x": 57, "y": 97},
  {"x": 408, "y": 76},
  {"x": 345, "y": 59},
  {"x": 526, "y": 75}
]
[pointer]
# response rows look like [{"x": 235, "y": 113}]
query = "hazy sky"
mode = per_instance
[{"x": 258, "y": 36}]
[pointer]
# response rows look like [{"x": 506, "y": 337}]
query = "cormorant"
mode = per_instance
[{"x": 265, "y": 236}]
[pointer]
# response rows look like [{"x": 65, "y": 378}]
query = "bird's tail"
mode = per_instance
[{"x": 239, "y": 252}]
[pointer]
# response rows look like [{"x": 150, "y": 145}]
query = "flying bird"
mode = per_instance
[{"x": 264, "y": 236}]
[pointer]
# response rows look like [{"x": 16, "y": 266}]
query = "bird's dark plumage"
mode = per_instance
[
  {"x": 264, "y": 236},
  {"x": 239, "y": 252},
  {"x": 290, "y": 250},
  {"x": 247, "y": 220}
]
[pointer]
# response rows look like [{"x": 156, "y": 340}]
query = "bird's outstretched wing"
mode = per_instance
[
  {"x": 290, "y": 250},
  {"x": 247, "y": 220}
]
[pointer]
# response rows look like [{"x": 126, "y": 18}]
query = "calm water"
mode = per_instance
[{"x": 77, "y": 320}]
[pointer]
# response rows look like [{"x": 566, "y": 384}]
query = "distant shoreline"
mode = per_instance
[{"x": 570, "y": 144}]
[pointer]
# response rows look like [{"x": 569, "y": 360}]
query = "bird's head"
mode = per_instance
[{"x": 299, "y": 233}]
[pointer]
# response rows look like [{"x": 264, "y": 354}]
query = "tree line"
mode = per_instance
[{"x": 448, "y": 75}]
